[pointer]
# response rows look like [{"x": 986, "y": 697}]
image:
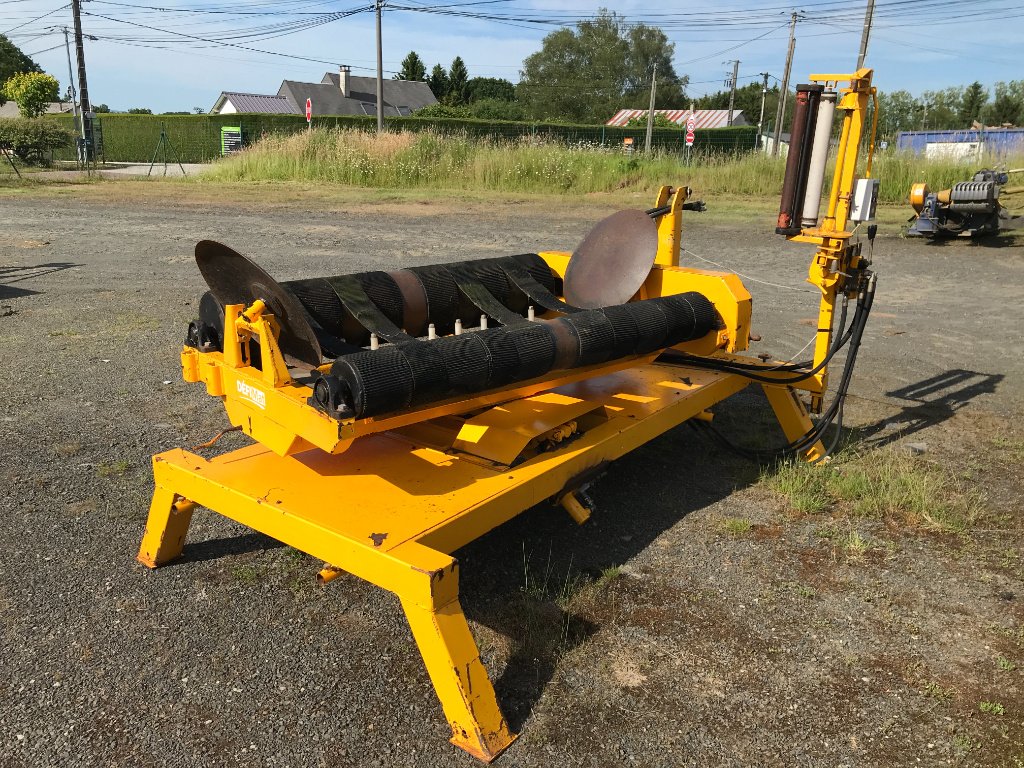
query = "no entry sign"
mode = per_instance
[
  {"x": 691, "y": 124},
  {"x": 309, "y": 110}
]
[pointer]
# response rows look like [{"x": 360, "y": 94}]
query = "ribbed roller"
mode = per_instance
[
  {"x": 651, "y": 324},
  {"x": 320, "y": 300},
  {"x": 466, "y": 359},
  {"x": 679, "y": 313},
  {"x": 429, "y": 373},
  {"x": 442, "y": 296},
  {"x": 384, "y": 293},
  {"x": 491, "y": 275},
  {"x": 380, "y": 381},
  {"x": 626, "y": 334},
  {"x": 535, "y": 346},
  {"x": 596, "y": 336},
  {"x": 504, "y": 358},
  {"x": 540, "y": 271}
]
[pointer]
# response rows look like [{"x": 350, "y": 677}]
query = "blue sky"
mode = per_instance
[{"x": 916, "y": 44}]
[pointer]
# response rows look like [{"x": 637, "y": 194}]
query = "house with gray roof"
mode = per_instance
[{"x": 339, "y": 93}]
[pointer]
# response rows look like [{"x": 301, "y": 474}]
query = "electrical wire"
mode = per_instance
[{"x": 833, "y": 415}]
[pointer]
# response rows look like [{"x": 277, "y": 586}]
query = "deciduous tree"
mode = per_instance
[
  {"x": 32, "y": 92},
  {"x": 479, "y": 88},
  {"x": 604, "y": 64},
  {"x": 13, "y": 61}
]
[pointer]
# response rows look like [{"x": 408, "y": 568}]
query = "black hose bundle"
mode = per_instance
[{"x": 833, "y": 415}]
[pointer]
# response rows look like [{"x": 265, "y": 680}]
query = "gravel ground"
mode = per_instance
[{"x": 654, "y": 638}]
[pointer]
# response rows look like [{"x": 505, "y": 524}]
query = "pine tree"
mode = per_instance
[
  {"x": 458, "y": 77},
  {"x": 971, "y": 103},
  {"x": 438, "y": 82},
  {"x": 413, "y": 68}
]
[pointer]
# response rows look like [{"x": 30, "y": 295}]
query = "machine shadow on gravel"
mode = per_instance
[
  {"x": 931, "y": 401},
  {"x": 9, "y": 275},
  {"x": 214, "y": 549},
  {"x": 642, "y": 495}
]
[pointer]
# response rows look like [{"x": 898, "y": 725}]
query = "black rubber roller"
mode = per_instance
[
  {"x": 320, "y": 300},
  {"x": 596, "y": 336},
  {"x": 442, "y": 296},
  {"x": 418, "y": 372},
  {"x": 624, "y": 329},
  {"x": 378, "y": 381}
]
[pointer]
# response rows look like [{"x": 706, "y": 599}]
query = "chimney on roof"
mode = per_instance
[{"x": 343, "y": 74}]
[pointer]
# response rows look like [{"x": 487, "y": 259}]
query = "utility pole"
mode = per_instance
[
  {"x": 378, "y": 5},
  {"x": 780, "y": 112},
  {"x": 83, "y": 85},
  {"x": 650, "y": 111},
  {"x": 764, "y": 96},
  {"x": 865, "y": 34},
  {"x": 732, "y": 87},
  {"x": 71, "y": 81}
]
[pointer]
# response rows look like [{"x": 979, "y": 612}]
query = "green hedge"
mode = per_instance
[{"x": 196, "y": 138}]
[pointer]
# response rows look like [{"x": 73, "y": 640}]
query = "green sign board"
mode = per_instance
[{"x": 230, "y": 139}]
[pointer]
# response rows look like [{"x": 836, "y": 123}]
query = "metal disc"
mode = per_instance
[
  {"x": 613, "y": 261},
  {"x": 234, "y": 279}
]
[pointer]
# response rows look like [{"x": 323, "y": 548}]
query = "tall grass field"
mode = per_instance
[{"x": 427, "y": 160}]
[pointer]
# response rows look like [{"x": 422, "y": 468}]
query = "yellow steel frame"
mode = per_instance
[
  {"x": 441, "y": 476},
  {"x": 834, "y": 257}
]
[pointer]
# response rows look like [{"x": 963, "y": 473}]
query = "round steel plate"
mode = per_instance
[
  {"x": 234, "y": 279},
  {"x": 613, "y": 261}
]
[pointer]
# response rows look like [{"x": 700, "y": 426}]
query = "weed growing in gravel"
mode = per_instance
[
  {"x": 992, "y": 708},
  {"x": 856, "y": 546},
  {"x": 936, "y": 691},
  {"x": 963, "y": 745},
  {"x": 736, "y": 526},
  {"x": 881, "y": 483},
  {"x": 113, "y": 468},
  {"x": 1005, "y": 664}
]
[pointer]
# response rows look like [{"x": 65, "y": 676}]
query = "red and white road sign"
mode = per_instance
[
  {"x": 689, "y": 138},
  {"x": 309, "y": 110},
  {"x": 691, "y": 124}
]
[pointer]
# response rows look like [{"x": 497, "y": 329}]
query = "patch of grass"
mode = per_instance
[
  {"x": 802, "y": 590},
  {"x": 856, "y": 546},
  {"x": 992, "y": 707},
  {"x": 112, "y": 468},
  {"x": 1005, "y": 665},
  {"x": 608, "y": 575},
  {"x": 427, "y": 160},
  {"x": 245, "y": 574},
  {"x": 736, "y": 526},
  {"x": 963, "y": 745},
  {"x": 936, "y": 691},
  {"x": 1012, "y": 447},
  {"x": 879, "y": 483}
]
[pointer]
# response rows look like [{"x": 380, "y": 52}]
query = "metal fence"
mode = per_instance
[{"x": 197, "y": 138}]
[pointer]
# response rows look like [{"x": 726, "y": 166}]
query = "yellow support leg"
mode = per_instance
[
  {"x": 166, "y": 528},
  {"x": 453, "y": 663},
  {"x": 793, "y": 418}
]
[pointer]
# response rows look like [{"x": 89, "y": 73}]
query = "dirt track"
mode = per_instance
[{"x": 766, "y": 648}]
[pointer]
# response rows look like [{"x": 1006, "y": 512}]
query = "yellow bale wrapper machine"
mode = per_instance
[{"x": 397, "y": 416}]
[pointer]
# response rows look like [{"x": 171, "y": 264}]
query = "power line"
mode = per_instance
[{"x": 37, "y": 18}]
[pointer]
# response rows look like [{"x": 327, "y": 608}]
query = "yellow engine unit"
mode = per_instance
[{"x": 431, "y": 405}]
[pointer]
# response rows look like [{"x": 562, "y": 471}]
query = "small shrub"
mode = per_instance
[{"x": 33, "y": 140}]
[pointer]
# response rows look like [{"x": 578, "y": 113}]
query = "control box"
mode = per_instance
[{"x": 865, "y": 200}]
